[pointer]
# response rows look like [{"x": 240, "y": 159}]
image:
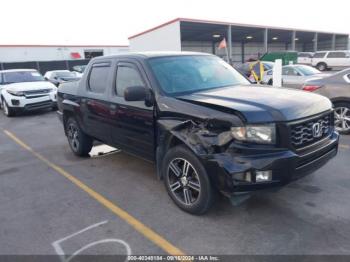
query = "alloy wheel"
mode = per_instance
[
  {"x": 73, "y": 136},
  {"x": 183, "y": 181},
  {"x": 342, "y": 119}
]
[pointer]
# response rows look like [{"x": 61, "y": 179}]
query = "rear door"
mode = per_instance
[
  {"x": 337, "y": 59},
  {"x": 133, "y": 122},
  {"x": 95, "y": 104}
]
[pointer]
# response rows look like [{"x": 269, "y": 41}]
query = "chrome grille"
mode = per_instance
[{"x": 303, "y": 134}]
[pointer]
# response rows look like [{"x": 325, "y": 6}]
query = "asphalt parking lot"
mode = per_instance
[{"x": 56, "y": 204}]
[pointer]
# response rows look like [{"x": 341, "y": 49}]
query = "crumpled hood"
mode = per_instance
[
  {"x": 29, "y": 86},
  {"x": 261, "y": 103}
]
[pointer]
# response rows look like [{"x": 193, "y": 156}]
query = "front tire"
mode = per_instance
[
  {"x": 187, "y": 181},
  {"x": 8, "y": 111},
  {"x": 79, "y": 142},
  {"x": 342, "y": 117}
]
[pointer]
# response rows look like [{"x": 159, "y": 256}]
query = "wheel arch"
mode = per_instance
[
  {"x": 168, "y": 141},
  {"x": 340, "y": 100}
]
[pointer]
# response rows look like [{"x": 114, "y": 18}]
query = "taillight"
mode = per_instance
[{"x": 310, "y": 88}]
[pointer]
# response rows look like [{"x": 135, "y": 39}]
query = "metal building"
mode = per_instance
[{"x": 243, "y": 41}]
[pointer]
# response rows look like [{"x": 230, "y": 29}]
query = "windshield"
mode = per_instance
[
  {"x": 185, "y": 74},
  {"x": 308, "y": 70},
  {"x": 22, "y": 76},
  {"x": 65, "y": 74}
]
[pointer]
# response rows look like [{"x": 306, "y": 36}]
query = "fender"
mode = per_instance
[
  {"x": 340, "y": 99},
  {"x": 198, "y": 137}
]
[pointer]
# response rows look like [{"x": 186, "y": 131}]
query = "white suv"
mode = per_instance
[
  {"x": 324, "y": 60},
  {"x": 25, "y": 90}
]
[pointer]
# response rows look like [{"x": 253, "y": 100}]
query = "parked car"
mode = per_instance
[
  {"x": 25, "y": 90},
  {"x": 305, "y": 58},
  {"x": 202, "y": 123},
  {"x": 325, "y": 60},
  {"x": 245, "y": 68},
  {"x": 294, "y": 76},
  {"x": 58, "y": 77},
  {"x": 337, "y": 88}
]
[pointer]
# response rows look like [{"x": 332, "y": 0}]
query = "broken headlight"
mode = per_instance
[{"x": 262, "y": 134}]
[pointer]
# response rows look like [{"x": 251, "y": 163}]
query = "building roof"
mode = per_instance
[
  {"x": 86, "y": 46},
  {"x": 228, "y": 23}
]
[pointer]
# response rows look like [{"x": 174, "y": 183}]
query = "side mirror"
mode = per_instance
[{"x": 135, "y": 93}]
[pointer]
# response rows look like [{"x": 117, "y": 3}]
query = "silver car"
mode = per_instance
[
  {"x": 337, "y": 88},
  {"x": 294, "y": 76}
]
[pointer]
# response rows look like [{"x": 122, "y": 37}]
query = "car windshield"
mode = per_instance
[
  {"x": 186, "y": 74},
  {"x": 22, "y": 76},
  {"x": 308, "y": 70},
  {"x": 65, "y": 74}
]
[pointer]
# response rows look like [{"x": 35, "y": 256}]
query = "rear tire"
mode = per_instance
[
  {"x": 322, "y": 66},
  {"x": 8, "y": 111},
  {"x": 342, "y": 117},
  {"x": 79, "y": 142},
  {"x": 191, "y": 190}
]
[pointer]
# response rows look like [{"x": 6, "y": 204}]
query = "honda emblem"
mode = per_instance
[{"x": 317, "y": 130}]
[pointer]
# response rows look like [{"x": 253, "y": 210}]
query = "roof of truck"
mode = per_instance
[{"x": 152, "y": 54}]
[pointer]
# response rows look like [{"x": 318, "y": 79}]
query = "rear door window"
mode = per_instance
[
  {"x": 319, "y": 55},
  {"x": 289, "y": 71},
  {"x": 336, "y": 55},
  {"x": 98, "y": 79}
]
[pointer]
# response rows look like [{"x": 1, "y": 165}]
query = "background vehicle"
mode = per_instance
[
  {"x": 287, "y": 57},
  {"x": 337, "y": 88},
  {"x": 245, "y": 68},
  {"x": 203, "y": 124},
  {"x": 305, "y": 58},
  {"x": 325, "y": 60},
  {"x": 79, "y": 70},
  {"x": 25, "y": 90},
  {"x": 294, "y": 76},
  {"x": 60, "y": 76}
]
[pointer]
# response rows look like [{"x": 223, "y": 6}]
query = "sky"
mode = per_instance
[{"x": 111, "y": 22}]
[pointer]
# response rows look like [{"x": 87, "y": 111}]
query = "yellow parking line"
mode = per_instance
[
  {"x": 344, "y": 146},
  {"x": 136, "y": 224}
]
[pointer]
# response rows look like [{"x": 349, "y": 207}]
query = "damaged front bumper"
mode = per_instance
[{"x": 284, "y": 165}]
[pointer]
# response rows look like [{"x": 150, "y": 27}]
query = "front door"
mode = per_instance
[
  {"x": 133, "y": 122},
  {"x": 291, "y": 78}
]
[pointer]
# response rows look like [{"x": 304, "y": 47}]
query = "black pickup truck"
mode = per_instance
[{"x": 204, "y": 125}]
